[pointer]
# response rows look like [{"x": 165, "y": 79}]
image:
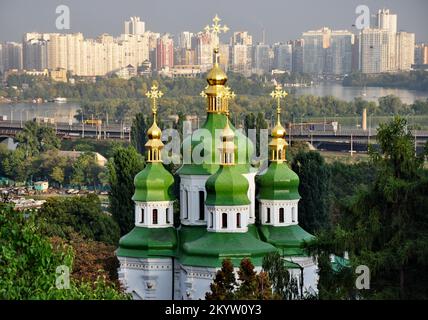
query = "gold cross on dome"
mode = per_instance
[
  {"x": 278, "y": 94},
  {"x": 154, "y": 94},
  {"x": 216, "y": 28},
  {"x": 203, "y": 94},
  {"x": 229, "y": 94}
]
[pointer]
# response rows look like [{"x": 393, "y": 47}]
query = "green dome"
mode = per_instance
[
  {"x": 215, "y": 122},
  {"x": 153, "y": 183},
  {"x": 279, "y": 182},
  {"x": 227, "y": 187}
]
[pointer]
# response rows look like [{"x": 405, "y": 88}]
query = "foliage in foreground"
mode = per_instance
[
  {"x": 65, "y": 216},
  {"x": 384, "y": 227},
  {"x": 273, "y": 282},
  {"x": 28, "y": 264}
]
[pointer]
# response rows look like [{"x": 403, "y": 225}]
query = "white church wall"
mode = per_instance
[
  {"x": 148, "y": 278},
  {"x": 190, "y": 185}
]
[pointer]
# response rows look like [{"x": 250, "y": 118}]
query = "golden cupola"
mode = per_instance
[
  {"x": 154, "y": 145},
  {"x": 215, "y": 92},
  {"x": 278, "y": 144}
]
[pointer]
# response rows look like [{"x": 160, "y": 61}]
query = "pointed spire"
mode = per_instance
[
  {"x": 278, "y": 144},
  {"x": 154, "y": 145},
  {"x": 216, "y": 77}
]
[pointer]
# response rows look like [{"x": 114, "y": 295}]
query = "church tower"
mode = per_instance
[
  {"x": 146, "y": 253},
  {"x": 278, "y": 200}
]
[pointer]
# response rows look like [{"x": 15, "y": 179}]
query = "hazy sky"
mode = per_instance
[{"x": 282, "y": 19}]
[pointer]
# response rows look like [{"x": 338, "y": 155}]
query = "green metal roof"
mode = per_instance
[
  {"x": 153, "y": 183},
  {"x": 215, "y": 122},
  {"x": 339, "y": 263},
  {"x": 227, "y": 187},
  {"x": 279, "y": 182},
  {"x": 148, "y": 242},
  {"x": 208, "y": 249},
  {"x": 288, "y": 239}
]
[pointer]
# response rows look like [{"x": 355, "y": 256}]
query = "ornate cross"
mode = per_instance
[
  {"x": 278, "y": 94},
  {"x": 227, "y": 95},
  {"x": 216, "y": 28},
  {"x": 154, "y": 94}
]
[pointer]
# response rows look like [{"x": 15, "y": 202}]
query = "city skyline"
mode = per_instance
[{"x": 15, "y": 21}]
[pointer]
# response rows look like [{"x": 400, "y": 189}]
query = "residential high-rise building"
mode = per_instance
[
  {"x": 35, "y": 51},
  {"x": 405, "y": 51},
  {"x": 164, "y": 52},
  {"x": 283, "y": 56},
  {"x": 386, "y": 20},
  {"x": 339, "y": 53},
  {"x": 421, "y": 54},
  {"x": 242, "y": 38},
  {"x": 315, "y": 43},
  {"x": 297, "y": 58},
  {"x": 134, "y": 26},
  {"x": 382, "y": 49},
  {"x": 241, "y": 52},
  {"x": 374, "y": 48},
  {"x": 224, "y": 51},
  {"x": 11, "y": 56},
  {"x": 185, "y": 40},
  {"x": 327, "y": 51},
  {"x": 203, "y": 44},
  {"x": 261, "y": 58},
  {"x": 241, "y": 59}
]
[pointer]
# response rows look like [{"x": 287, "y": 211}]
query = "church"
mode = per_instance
[{"x": 229, "y": 209}]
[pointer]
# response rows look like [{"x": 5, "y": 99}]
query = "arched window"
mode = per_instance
[
  {"x": 201, "y": 205},
  {"x": 224, "y": 220},
  {"x": 167, "y": 215},
  {"x": 268, "y": 215},
  {"x": 211, "y": 219},
  {"x": 155, "y": 216},
  {"x": 281, "y": 215},
  {"x": 293, "y": 214},
  {"x": 142, "y": 215},
  {"x": 238, "y": 220},
  {"x": 186, "y": 204}
]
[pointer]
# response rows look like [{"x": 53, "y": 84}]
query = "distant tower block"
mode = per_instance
[{"x": 364, "y": 122}]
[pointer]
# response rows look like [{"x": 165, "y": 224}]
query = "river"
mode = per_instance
[
  {"x": 368, "y": 93},
  {"x": 64, "y": 112}
]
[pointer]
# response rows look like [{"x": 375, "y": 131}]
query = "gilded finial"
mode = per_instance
[
  {"x": 216, "y": 28},
  {"x": 278, "y": 94},
  {"x": 154, "y": 94},
  {"x": 278, "y": 144},
  {"x": 154, "y": 144}
]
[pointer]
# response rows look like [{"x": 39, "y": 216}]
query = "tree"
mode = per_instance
[
  {"x": 283, "y": 284},
  {"x": 248, "y": 280},
  {"x": 86, "y": 170},
  {"x": 123, "y": 167},
  {"x": 29, "y": 264},
  {"x": 139, "y": 132},
  {"x": 385, "y": 226},
  {"x": 16, "y": 165},
  {"x": 34, "y": 139},
  {"x": 224, "y": 283},
  {"x": 64, "y": 216},
  {"x": 314, "y": 189}
]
